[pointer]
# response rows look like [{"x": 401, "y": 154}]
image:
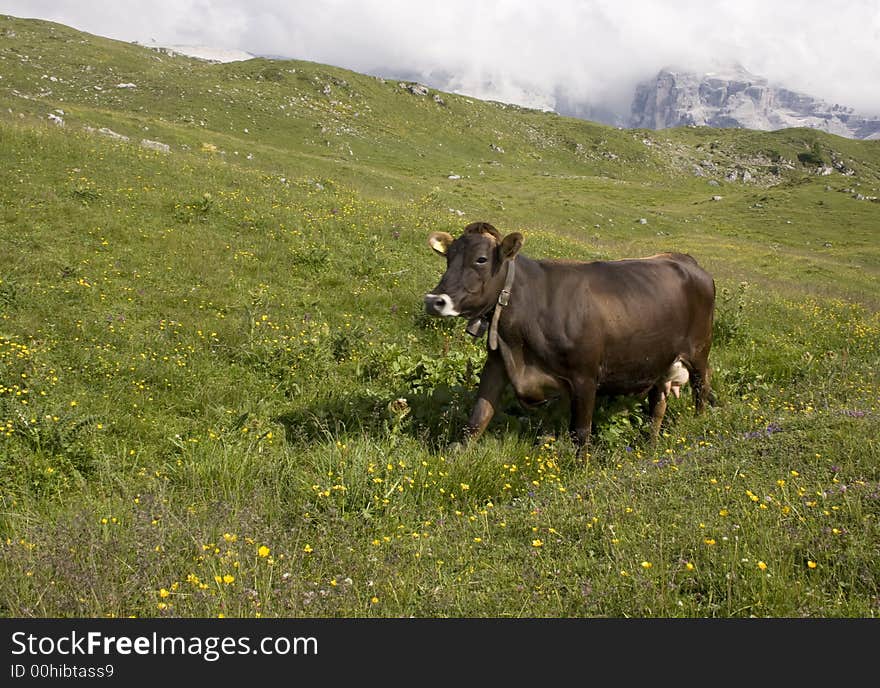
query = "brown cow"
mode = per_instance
[{"x": 624, "y": 327}]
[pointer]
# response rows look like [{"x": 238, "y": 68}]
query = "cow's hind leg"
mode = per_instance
[
  {"x": 656, "y": 409},
  {"x": 698, "y": 369}
]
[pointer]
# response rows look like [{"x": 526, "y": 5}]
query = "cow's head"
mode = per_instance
[{"x": 474, "y": 270}]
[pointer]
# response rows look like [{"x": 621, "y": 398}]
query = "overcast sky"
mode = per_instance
[{"x": 520, "y": 50}]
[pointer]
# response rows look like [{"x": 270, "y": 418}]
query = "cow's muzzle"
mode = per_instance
[{"x": 439, "y": 304}]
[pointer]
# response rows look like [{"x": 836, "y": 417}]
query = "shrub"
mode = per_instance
[
  {"x": 814, "y": 156},
  {"x": 730, "y": 310}
]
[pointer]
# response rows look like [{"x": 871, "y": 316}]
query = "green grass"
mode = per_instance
[{"x": 202, "y": 354}]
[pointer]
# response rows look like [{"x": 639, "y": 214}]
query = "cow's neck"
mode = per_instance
[
  {"x": 478, "y": 326},
  {"x": 503, "y": 300}
]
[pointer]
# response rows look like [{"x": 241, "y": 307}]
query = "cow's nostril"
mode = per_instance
[{"x": 439, "y": 304}]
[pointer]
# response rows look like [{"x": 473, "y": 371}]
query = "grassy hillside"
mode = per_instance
[{"x": 219, "y": 393}]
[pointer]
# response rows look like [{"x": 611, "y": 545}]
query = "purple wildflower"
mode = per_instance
[{"x": 853, "y": 413}]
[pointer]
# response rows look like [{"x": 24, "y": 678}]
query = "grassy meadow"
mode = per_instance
[{"x": 219, "y": 394}]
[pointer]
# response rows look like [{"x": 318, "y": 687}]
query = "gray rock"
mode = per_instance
[
  {"x": 155, "y": 145},
  {"x": 104, "y": 131},
  {"x": 842, "y": 168},
  {"x": 415, "y": 89}
]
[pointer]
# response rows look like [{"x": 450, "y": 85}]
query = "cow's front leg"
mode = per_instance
[
  {"x": 583, "y": 401},
  {"x": 492, "y": 382}
]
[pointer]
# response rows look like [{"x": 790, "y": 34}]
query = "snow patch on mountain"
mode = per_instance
[{"x": 204, "y": 52}]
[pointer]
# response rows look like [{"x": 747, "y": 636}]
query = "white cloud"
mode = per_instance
[{"x": 593, "y": 50}]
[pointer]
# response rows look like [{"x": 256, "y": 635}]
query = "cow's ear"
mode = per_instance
[
  {"x": 510, "y": 245},
  {"x": 439, "y": 241}
]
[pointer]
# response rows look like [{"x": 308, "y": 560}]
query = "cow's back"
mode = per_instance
[{"x": 658, "y": 283}]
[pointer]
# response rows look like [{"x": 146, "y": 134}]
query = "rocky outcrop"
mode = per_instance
[
  {"x": 415, "y": 89},
  {"x": 155, "y": 145},
  {"x": 735, "y": 98},
  {"x": 109, "y": 133}
]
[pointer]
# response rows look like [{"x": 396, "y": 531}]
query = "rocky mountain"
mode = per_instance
[{"x": 736, "y": 98}]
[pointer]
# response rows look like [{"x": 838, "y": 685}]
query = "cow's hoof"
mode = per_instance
[
  {"x": 454, "y": 448},
  {"x": 582, "y": 453}
]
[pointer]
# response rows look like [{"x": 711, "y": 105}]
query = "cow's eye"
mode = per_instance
[{"x": 481, "y": 260}]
